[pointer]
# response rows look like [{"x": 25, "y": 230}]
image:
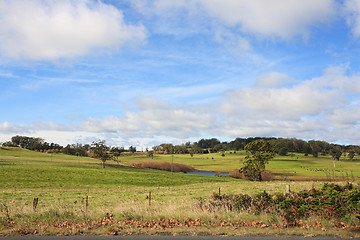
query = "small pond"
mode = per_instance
[{"x": 208, "y": 173}]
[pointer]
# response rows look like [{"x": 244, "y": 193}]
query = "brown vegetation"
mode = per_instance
[
  {"x": 266, "y": 175},
  {"x": 109, "y": 225},
  {"x": 166, "y": 166}
]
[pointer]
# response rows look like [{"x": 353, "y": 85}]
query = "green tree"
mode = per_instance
[
  {"x": 30, "y": 143},
  {"x": 335, "y": 153},
  {"x": 351, "y": 154},
  {"x": 195, "y": 148},
  {"x": 116, "y": 152},
  {"x": 101, "y": 151},
  {"x": 258, "y": 155}
]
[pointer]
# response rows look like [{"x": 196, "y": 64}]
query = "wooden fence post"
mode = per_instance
[
  {"x": 288, "y": 189},
  {"x": 35, "y": 203},
  {"x": 149, "y": 198}
]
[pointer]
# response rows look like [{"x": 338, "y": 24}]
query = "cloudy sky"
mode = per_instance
[{"x": 145, "y": 72}]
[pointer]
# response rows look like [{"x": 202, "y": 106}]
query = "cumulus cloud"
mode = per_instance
[
  {"x": 279, "y": 18},
  {"x": 284, "y": 103},
  {"x": 49, "y": 30},
  {"x": 326, "y": 107},
  {"x": 155, "y": 118}
]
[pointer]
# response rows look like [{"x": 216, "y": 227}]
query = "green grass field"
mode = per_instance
[
  {"x": 61, "y": 182},
  {"x": 298, "y": 167},
  {"x": 27, "y": 169}
]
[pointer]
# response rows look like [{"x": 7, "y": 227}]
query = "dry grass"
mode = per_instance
[
  {"x": 127, "y": 211},
  {"x": 176, "y": 216},
  {"x": 266, "y": 175},
  {"x": 166, "y": 166}
]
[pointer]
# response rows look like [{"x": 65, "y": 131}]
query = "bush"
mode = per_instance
[
  {"x": 331, "y": 201},
  {"x": 235, "y": 174}
]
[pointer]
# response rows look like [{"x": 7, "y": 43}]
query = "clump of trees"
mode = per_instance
[
  {"x": 76, "y": 149},
  {"x": 32, "y": 143}
]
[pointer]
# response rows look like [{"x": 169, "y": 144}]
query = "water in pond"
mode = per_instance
[{"x": 208, "y": 173}]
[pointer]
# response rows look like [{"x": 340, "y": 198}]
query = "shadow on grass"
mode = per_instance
[
  {"x": 6, "y": 163},
  {"x": 349, "y": 160}
]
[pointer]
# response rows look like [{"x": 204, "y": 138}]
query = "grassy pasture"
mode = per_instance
[
  {"x": 298, "y": 167},
  {"x": 27, "y": 169},
  {"x": 62, "y": 182}
]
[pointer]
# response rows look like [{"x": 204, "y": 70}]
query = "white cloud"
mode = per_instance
[
  {"x": 233, "y": 42},
  {"x": 66, "y": 137},
  {"x": 345, "y": 117},
  {"x": 246, "y": 127},
  {"x": 284, "y": 103},
  {"x": 6, "y": 127},
  {"x": 326, "y": 108},
  {"x": 50, "y": 126},
  {"x": 108, "y": 124},
  {"x": 42, "y": 82},
  {"x": 51, "y": 30},
  {"x": 5, "y": 74},
  {"x": 273, "y": 79},
  {"x": 179, "y": 18},
  {"x": 277, "y": 18},
  {"x": 352, "y": 11},
  {"x": 338, "y": 79},
  {"x": 280, "y": 18},
  {"x": 152, "y": 117}
]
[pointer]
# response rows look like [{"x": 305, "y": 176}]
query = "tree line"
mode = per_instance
[
  {"x": 281, "y": 146},
  {"x": 77, "y": 149},
  {"x": 259, "y": 150}
]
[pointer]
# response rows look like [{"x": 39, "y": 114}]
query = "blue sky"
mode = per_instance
[{"x": 144, "y": 72}]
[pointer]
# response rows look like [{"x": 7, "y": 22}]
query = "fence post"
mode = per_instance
[
  {"x": 288, "y": 189},
  {"x": 149, "y": 198},
  {"x": 35, "y": 203},
  {"x": 86, "y": 204}
]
